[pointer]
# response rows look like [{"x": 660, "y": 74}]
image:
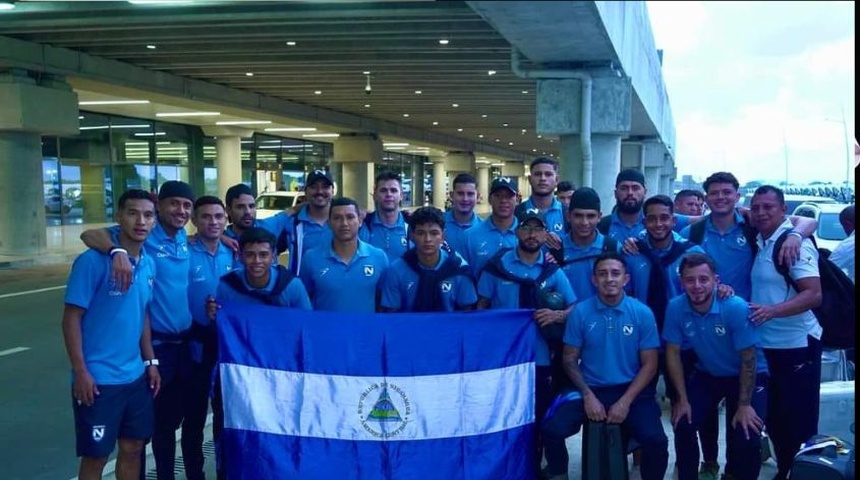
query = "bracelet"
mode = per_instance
[
  {"x": 114, "y": 250},
  {"x": 799, "y": 236},
  {"x": 150, "y": 363}
]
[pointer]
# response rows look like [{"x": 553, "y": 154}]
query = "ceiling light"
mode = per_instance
[
  {"x": 159, "y": 2},
  {"x": 455, "y": 105},
  {"x": 491, "y": 72},
  {"x": 435, "y": 123},
  {"x": 405, "y": 114},
  {"x": 249, "y": 74},
  {"x": 511, "y": 143},
  {"x": 481, "y": 136},
  {"x": 443, "y": 41},
  {"x": 393, "y": 144},
  {"x": 321, "y": 135},
  {"x": 317, "y": 92},
  {"x": 504, "y": 124},
  {"x": 291, "y": 44},
  {"x": 484, "y": 116},
  {"x": 459, "y": 129},
  {"x": 524, "y": 131},
  {"x": 366, "y": 72},
  {"x": 417, "y": 92},
  {"x": 7, "y": 5},
  {"x": 497, "y": 164},
  {"x": 187, "y": 114},
  {"x": 366, "y": 105},
  {"x": 497, "y": 140},
  {"x": 290, "y": 129},
  {"x": 102, "y": 127},
  {"x": 156, "y": 134},
  {"x": 525, "y": 92},
  {"x": 540, "y": 136},
  {"x": 114, "y": 102},
  {"x": 534, "y": 149},
  {"x": 80, "y": 117},
  {"x": 151, "y": 47},
  {"x": 245, "y": 122}
]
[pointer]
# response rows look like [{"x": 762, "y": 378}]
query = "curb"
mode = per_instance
[{"x": 47, "y": 259}]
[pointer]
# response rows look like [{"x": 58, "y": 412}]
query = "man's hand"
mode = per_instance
[
  {"x": 629, "y": 247},
  {"x": 545, "y": 316},
  {"x": 681, "y": 409},
  {"x": 761, "y": 314},
  {"x": 154, "y": 379},
  {"x": 618, "y": 412},
  {"x": 790, "y": 251},
  {"x": 594, "y": 410},
  {"x": 84, "y": 388},
  {"x": 553, "y": 241},
  {"x": 746, "y": 418},
  {"x": 212, "y": 307},
  {"x": 724, "y": 291},
  {"x": 121, "y": 271}
]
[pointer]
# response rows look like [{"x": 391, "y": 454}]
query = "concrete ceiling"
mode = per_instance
[{"x": 244, "y": 45}]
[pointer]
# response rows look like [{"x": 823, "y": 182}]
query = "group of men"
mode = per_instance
[{"x": 616, "y": 300}]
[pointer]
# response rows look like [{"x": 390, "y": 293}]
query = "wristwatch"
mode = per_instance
[{"x": 150, "y": 363}]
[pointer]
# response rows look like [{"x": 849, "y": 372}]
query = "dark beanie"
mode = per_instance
[
  {"x": 585, "y": 198},
  {"x": 630, "y": 175},
  {"x": 175, "y": 188}
]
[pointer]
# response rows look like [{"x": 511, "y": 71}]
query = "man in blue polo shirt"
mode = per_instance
[
  {"x": 543, "y": 178},
  {"x": 730, "y": 366},
  {"x": 346, "y": 274},
  {"x": 242, "y": 211},
  {"x": 496, "y": 232},
  {"x": 309, "y": 226},
  {"x": 169, "y": 312},
  {"x": 210, "y": 259},
  {"x": 520, "y": 278},
  {"x": 429, "y": 277},
  {"x": 461, "y": 216},
  {"x": 610, "y": 355},
  {"x": 107, "y": 335},
  {"x": 386, "y": 227}
]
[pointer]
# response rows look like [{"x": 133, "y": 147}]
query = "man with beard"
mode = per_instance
[
  {"x": 169, "y": 311},
  {"x": 610, "y": 355},
  {"x": 429, "y": 277},
  {"x": 242, "y": 211},
  {"x": 346, "y": 274},
  {"x": 461, "y": 216},
  {"x": 519, "y": 278},
  {"x": 731, "y": 366},
  {"x": 309, "y": 226},
  {"x": 386, "y": 228},
  {"x": 210, "y": 259},
  {"x": 790, "y": 333},
  {"x": 497, "y": 231}
]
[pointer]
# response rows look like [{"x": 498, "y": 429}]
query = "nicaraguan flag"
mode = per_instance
[{"x": 324, "y": 395}]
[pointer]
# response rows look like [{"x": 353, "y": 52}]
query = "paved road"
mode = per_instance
[{"x": 37, "y": 440}]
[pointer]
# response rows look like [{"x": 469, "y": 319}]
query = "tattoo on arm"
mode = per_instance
[
  {"x": 747, "y": 376},
  {"x": 570, "y": 361}
]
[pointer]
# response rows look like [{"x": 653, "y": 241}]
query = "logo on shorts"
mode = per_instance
[
  {"x": 387, "y": 416},
  {"x": 368, "y": 270},
  {"x": 627, "y": 330},
  {"x": 98, "y": 432},
  {"x": 446, "y": 286},
  {"x": 720, "y": 330}
]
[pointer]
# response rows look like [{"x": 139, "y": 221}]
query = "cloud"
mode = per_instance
[{"x": 676, "y": 25}]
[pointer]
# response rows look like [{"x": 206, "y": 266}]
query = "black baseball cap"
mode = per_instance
[
  {"x": 319, "y": 174},
  {"x": 503, "y": 182}
]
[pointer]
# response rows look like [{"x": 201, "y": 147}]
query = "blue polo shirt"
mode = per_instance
[
  {"x": 610, "y": 339},
  {"x": 553, "y": 216},
  {"x": 455, "y": 233},
  {"x": 338, "y": 286},
  {"x": 313, "y": 234},
  {"x": 391, "y": 239},
  {"x": 293, "y": 296},
  {"x": 484, "y": 240},
  {"x": 113, "y": 321},
  {"x": 717, "y": 336},
  {"x": 400, "y": 286},
  {"x": 579, "y": 273},
  {"x": 640, "y": 271},
  {"x": 505, "y": 294},
  {"x": 275, "y": 225},
  {"x": 620, "y": 231},
  {"x": 731, "y": 253},
  {"x": 206, "y": 269},
  {"x": 169, "y": 312}
]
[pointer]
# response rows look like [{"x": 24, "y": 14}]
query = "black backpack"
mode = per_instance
[
  {"x": 609, "y": 245},
  {"x": 234, "y": 280},
  {"x": 604, "y": 224},
  {"x": 836, "y": 312}
]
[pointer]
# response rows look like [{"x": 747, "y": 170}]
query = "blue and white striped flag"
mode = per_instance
[{"x": 324, "y": 395}]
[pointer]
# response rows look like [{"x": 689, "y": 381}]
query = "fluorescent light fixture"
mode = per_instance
[
  {"x": 7, "y": 5},
  {"x": 291, "y": 129},
  {"x": 156, "y": 134},
  {"x": 504, "y": 124},
  {"x": 525, "y": 92},
  {"x": 245, "y": 122},
  {"x": 366, "y": 72},
  {"x": 187, "y": 114},
  {"x": 455, "y": 105},
  {"x": 321, "y": 135},
  {"x": 418, "y": 92},
  {"x": 366, "y": 105},
  {"x": 459, "y": 129},
  {"x": 406, "y": 115},
  {"x": 511, "y": 143},
  {"x": 498, "y": 164},
  {"x": 540, "y": 136},
  {"x": 317, "y": 92},
  {"x": 151, "y": 47},
  {"x": 105, "y": 127},
  {"x": 160, "y": 2},
  {"x": 435, "y": 123},
  {"x": 443, "y": 41},
  {"x": 386, "y": 145},
  {"x": 249, "y": 74},
  {"x": 491, "y": 72},
  {"x": 80, "y": 117},
  {"x": 114, "y": 102},
  {"x": 481, "y": 136},
  {"x": 291, "y": 44},
  {"x": 395, "y": 148},
  {"x": 534, "y": 149}
]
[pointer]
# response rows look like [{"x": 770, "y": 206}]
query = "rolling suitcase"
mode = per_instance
[
  {"x": 824, "y": 458},
  {"x": 836, "y": 410},
  {"x": 603, "y": 453}
]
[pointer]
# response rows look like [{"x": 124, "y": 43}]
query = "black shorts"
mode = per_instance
[{"x": 119, "y": 411}]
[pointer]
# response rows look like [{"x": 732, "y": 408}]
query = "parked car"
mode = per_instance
[
  {"x": 55, "y": 203},
  {"x": 830, "y": 231},
  {"x": 793, "y": 201},
  {"x": 271, "y": 203}
]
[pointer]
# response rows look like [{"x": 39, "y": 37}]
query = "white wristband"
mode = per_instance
[{"x": 115, "y": 250}]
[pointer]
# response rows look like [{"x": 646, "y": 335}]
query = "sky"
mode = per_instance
[{"x": 753, "y": 83}]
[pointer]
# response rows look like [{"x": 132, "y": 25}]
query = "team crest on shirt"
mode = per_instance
[
  {"x": 627, "y": 329},
  {"x": 533, "y": 211},
  {"x": 720, "y": 330},
  {"x": 368, "y": 270},
  {"x": 446, "y": 286},
  {"x": 403, "y": 241},
  {"x": 557, "y": 227},
  {"x": 98, "y": 432},
  {"x": 742, "y": 240}
]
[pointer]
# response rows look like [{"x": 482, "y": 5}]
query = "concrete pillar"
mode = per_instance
[
  {"x": 93, "y": 193},
  {"x": 31, "y": 105},
  {"x": 652, "y": 179},
  {"x": 440, "y": 175},
  {"x": 570, "y": 163},
  {"x": 631, "y": 155},
  {"x": 666, "y": 185},
  {"x": 606, "y": 155},
  {"x": 418, "y": 183},
  {"x": 483, "y": 179},
  {"x": 357, "y": 152},
  {"x": 228, "y": 162}
]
